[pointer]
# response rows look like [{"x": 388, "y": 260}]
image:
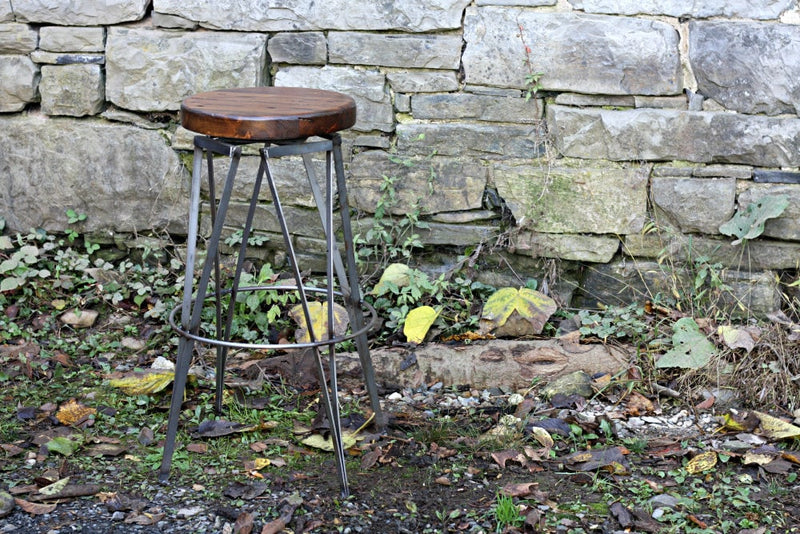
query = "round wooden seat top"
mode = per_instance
[{"x": 268, "y": 113}]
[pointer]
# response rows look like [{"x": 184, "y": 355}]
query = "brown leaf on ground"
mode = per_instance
[
  {"x": 73, "y": 413},
  {"x": 520, "y": 489},
  {"x": 502, "y": 457},
  {"x": 244, "y": 523},
  {"x": 638, "y": 404},
  {"x": 34, "y": 508}
]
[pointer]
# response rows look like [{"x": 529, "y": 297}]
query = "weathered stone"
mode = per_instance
[
  {"x": 457, "y": 235},
  {"x": 296, "y": 15},
  {"x": 301, "y": 221},
  {"x": 299, "y": 48},
  {"x": 595, "y": 249},
  {"x": 431, "y": 51},
  {"x": 17, "y": 38},
  {"x": 468, "y": 139},
  {"x": 574, "y": 99},
  {"x": 153, "y": 70},
  {"x": 6, "y": 14},
  {"x": 526, "y": 3},
  {"x": 160, "y": 20},
  {"x": 126, "y": 117},
  {"x": 775, "y": 177},
  {"x": 422, "y": 81},
  {"x": 570, "y": 196},
  {"x": 760, "y": 254},
  {"x": 749, "y": 67},
  {"x": 464, "y": 217},
  {"x": 368, "y": 89},
  {"x": 51, "y": 165},
  {"x": 655, "y": 134},
  {"x": 661, "y": 102},
  {"x": 478, "y": 107},
  {"x": 458, "y": 183},
  {"x": 83, "y": 13},
  {"x": 66, "y": 39},
  {"x": 695, "y": 204},
  {"x": 672, "y": 170},
  {"x": 73, "y": 90},
  {"x": 786, "y": 226},
  {"x": 596, "y": 54},
  {"x": 493, "y": 91},
  {"x": 740, "y": 172},
  {"x": 19, "y": 78},
  {"x": 60, "y": 58},
  {"x": 749, "y": 9},
  {"x": 402, "y": 102}
]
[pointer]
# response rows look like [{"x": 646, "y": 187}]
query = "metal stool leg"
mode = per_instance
[
  {"x": 356, "y": 316},
  {"x": 190, "y": 320},
  {"x": 330, "y": 398}
]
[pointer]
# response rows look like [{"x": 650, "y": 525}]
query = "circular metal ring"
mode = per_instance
[{"x": 274, "y": 346}]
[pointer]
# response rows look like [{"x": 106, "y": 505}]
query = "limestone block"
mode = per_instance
[
  {"x": 458, "y": 184},
  {"x": 749, "y": 67},
  {"x": 457, "y": 235},
  {"x": 575, "y": 99},
  {"x": 422, "y": 81},
  {"x": 571, "y": 196},
  {"x": 153, "y": 70},
  {"x": 624, "y": 282},
  {"x": 695, "y": 204},
  {"x": 760, "y": 254},
  {"x": 302, "y": 15},
  {"x": 663, "y": 135},
  {"x": 17, "y": 38},
  {"x": 122, "y": 177},
  {"x": 299, "y": 48},
  {"x": 526, "y": 3},
  {"x": 61, "y": 58},
  {"x": 83, "y": 13},
  {"x": 431, "y": 51},
  {"x": 595, "y": 54},
  {"x": 470, "y": 139},
  {"x": 70, "y": 39},
  {"x": 588, "y": 248},
  {"x": 478, "y": 107},
  {"x": 73, "y": 90},
  {"x": 301, "y": 221},
  {"x": 787, "y": 226},
  {"x": 6, "y": 14},
  {"x": 367, "y": 87},
  {"x": 19, "y": 80},
  {"x": 740, "y": 172},
  {"x": 574, "y": 196},
  {"x": 749, "y": 9},
  {"x": 160, "y": 20}
]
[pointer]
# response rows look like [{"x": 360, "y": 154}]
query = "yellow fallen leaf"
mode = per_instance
[
  {"x": 317, "y": 441},
  {"x": 318, "y": 311},
  {"x": 261, "y": 463},
  {"x": 775, "y": 428},
  {"x": 54, "y": 488},
  {"x": 543, "y": 437},
  {"x": 531, "y": 309},
  {"x": 72, "y": 412},
  {"x": 702, "y": 462},
  {"x": 143, "y": 383},
  {"x": 418, "y": 322},
  {"x": 395, "y": 274}
]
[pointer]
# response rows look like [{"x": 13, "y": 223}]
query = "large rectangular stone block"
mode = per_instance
[
  {"x": 19, "y": 79},
  {"x": 571, "y": 196},
  {"x": 367, "y": 87},
  {"x": 302, "y": 15},
  {"x": 749, "y": 9},
  {"x": 422, "y": 81},
  {"x": 122, "y": 177},
  {"x": 750, "y": 67},
  {"x": 663, "y": 135},
  {"x": 438, "y": 184},
  {"x": 431, "y": 51},
  {"x": 695, "y": 204},
  {"x": 479, "y": 107},
  {"x": 17, "y": 38},
  {"x": 6, "y": 14},
  {"x": 299, "y": 48},
  {"x": 70, "y": 39},
  {"x": 594, "y": 54},
  {"x": 154, "y": 70},
  {"x": 787, "y": 225},
  {"x": 80, "y": 13},
  {"x": 573, "y": 247},
  {"x": 73, "y": 90},
  {"x": 470, "y": 139}
]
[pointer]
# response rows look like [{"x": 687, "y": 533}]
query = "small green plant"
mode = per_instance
[
  {"x": 614, "y": 322},
  {"x": 506, "y": 513}
]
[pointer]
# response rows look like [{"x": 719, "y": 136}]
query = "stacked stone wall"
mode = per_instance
[{"x": 652, "y": 123}]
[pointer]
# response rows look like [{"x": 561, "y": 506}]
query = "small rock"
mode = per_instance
[
  {"x": 396, "y": 396},
  {"x": 162, "y": 363},
  {"x": 79, "y": 318},
  {"x": 577, "y": 383},
  {"x": 118, "y": 516},
  {"x": 664, "y": 501},
  {"x": 132, "y": 343},
  {"x": 6, "y": 503},
  {"x": 185, "y": 513}
]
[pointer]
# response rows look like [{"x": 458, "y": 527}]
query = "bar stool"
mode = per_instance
[{"x": 284, "y": 120}]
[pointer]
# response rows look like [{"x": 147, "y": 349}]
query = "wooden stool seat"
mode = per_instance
[{"x": 268, "y": 113}]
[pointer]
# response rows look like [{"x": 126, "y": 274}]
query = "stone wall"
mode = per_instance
[{"x": 653, "y": 123}]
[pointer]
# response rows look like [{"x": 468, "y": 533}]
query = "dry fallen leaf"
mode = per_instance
[
  {"x": 73, "y": 412},
  {"x": 34, "y": 508},
  {"x": 702, "y": 462}
]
